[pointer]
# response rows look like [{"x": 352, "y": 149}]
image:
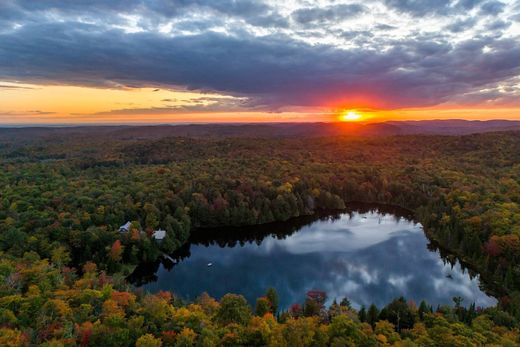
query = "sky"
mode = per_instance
[{"x": 160, "y": 61}]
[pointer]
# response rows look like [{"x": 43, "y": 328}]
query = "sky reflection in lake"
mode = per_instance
[{"x": 367, "y": 257}]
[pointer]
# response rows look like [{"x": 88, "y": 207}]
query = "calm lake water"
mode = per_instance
[{"x": 368, "y": 254}]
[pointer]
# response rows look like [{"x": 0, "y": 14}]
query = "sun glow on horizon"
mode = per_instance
[
  {"x": 23, "y": 103},
  {"x": 350, "y": 116}
]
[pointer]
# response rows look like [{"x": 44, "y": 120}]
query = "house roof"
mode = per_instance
[
  {"x": 125, "y": 226},
  {"x": 159, "y": 234}
]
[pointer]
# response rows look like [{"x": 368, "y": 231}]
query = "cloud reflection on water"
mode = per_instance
[{"x": 367, "y": 257}]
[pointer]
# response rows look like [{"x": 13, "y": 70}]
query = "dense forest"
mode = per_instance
[
  {"x": 64, "y": 259},
  {"x": 51, "y": 305}
]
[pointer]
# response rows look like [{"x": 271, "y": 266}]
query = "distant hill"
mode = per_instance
[
  {"x": 454, "y": 126},
  {"x": 127, "y": 132}
]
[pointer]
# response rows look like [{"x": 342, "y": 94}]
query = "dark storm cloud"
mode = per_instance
[
  {"x": 327, "y": 14},
  {"x": 435, "y": 7},
  {"x": 254, "y": 12},
  {"x": 499, "y": 25},
  {"x": 356, "y": 34},
  {"x": 385, "y": 27},
  {"x": 24, "y": 9},
  {"x": 468, "y": 4},
  {"x": 272, "y": 70},
  {"x": 462, "y": 25},
  {"x": 492, "y": 8},
  {"x": 419, "y": 7}
]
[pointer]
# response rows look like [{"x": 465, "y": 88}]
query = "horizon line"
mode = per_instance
[{"x": 77, "y": 125}]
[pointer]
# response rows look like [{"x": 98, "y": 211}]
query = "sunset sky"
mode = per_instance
[{"x": 146, "y": 61}]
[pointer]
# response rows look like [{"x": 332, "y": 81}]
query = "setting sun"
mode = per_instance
[{"x": 350, "y": 116}]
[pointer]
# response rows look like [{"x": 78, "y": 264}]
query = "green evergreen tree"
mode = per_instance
[
  {"x": 372, "y": 315},
  {"x": 362, "y": 314},
  {"x": 272, "y": 296}
]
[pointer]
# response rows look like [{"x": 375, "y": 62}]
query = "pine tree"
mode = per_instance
[
  {"x": 362, "y": 314},
  {"x": 272, "y": 296},
  {"x": 372, "y": 316}
]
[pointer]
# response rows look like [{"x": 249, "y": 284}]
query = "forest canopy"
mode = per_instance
[{"x": 64, "y": 199}]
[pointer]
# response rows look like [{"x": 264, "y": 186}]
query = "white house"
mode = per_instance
[
  {"x": 125, "y": 227},
  {"x": 159, "y": 235}
]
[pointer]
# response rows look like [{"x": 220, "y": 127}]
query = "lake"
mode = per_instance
[{"x": 369, "y": 254}]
